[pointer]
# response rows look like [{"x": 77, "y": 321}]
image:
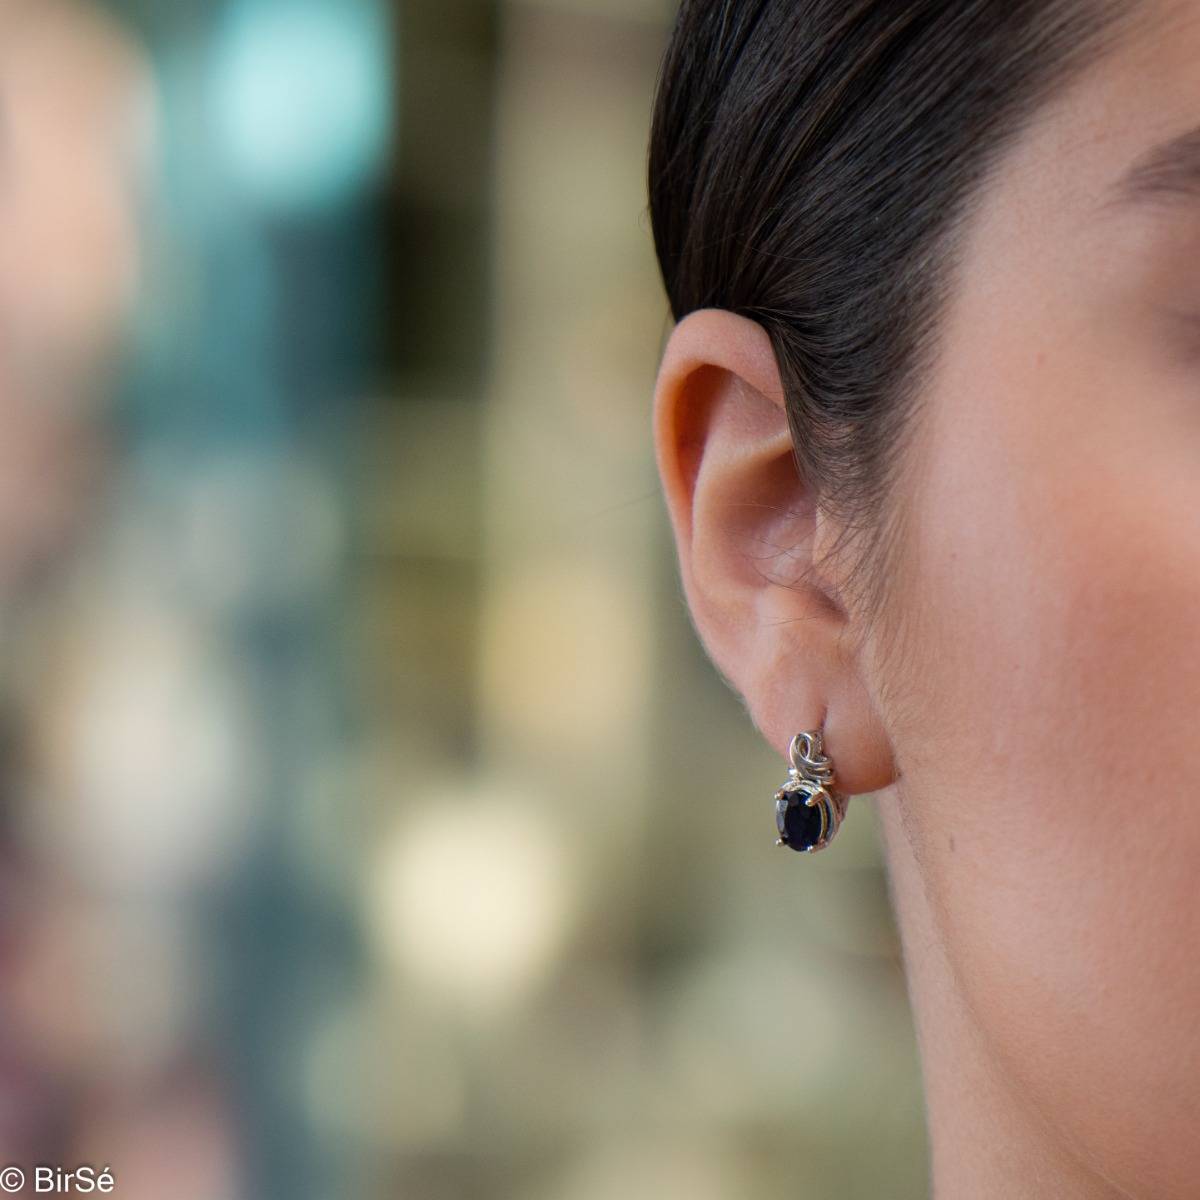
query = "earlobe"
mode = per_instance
[{"x": 748, "y": 532}]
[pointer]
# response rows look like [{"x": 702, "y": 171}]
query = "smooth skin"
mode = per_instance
[{"x": 1026, "y": 703}]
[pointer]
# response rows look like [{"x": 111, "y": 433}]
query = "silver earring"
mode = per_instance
[{"x": 808, "y": 809}]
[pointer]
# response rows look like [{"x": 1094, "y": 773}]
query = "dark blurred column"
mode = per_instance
[{"x": 244, "y": 414}]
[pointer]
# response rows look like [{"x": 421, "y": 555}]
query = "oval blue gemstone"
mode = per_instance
[{"x": 800, "y": 826}]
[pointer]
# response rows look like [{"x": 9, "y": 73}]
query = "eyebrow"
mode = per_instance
[{"x": 1170, "y": 170}]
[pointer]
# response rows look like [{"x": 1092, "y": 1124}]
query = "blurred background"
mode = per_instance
[{"x": 373, "y": 825}]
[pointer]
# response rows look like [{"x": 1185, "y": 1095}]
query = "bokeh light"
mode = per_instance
[
  {"x": 472, "y": 896},
  {"x": 301, "y": 96}
]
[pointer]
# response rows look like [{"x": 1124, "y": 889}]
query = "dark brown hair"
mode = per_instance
[{"x": 810, "y": 163}]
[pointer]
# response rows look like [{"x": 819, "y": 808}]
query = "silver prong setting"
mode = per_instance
[{"x": 809, "y": 786}]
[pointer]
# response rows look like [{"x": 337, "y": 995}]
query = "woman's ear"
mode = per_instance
[{"x": 753, "y": 545}]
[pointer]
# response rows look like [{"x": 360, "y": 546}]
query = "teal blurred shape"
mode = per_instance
[{"x": 300, "y": 96}]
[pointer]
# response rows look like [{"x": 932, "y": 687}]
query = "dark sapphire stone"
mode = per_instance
[{"x": 799, "y": 826}]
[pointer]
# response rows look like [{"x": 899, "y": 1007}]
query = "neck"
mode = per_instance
[{"x": 986, "y": 1141}]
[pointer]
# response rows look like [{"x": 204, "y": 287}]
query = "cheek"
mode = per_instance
[{"x": 1049, "y": 748}]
